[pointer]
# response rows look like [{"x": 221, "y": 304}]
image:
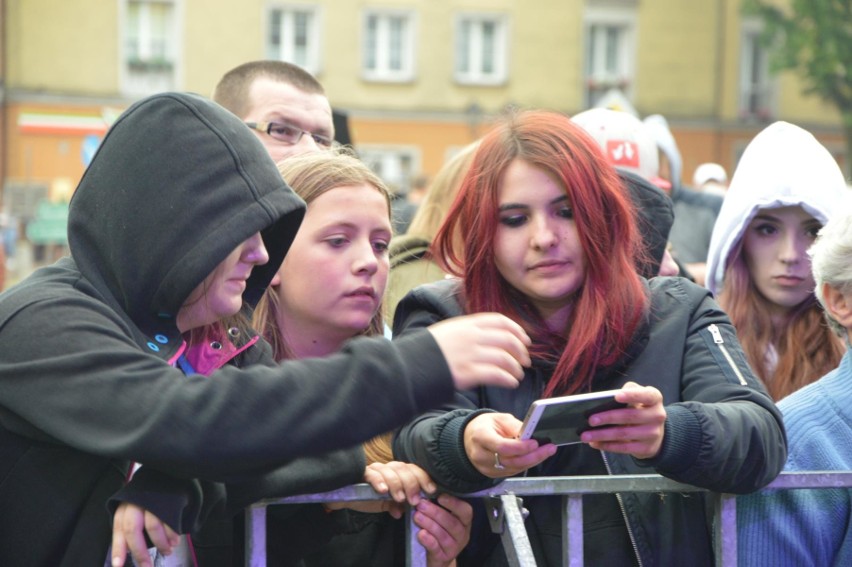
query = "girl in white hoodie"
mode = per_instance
[{"x": 784, "y": 189}]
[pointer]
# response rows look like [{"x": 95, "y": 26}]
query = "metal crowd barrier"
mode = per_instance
[{"x": 504, "y": 504}]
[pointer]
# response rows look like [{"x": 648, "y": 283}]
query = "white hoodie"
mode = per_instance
[{"x": 782, "y": 166}]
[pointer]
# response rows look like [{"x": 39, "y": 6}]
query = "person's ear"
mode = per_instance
[{"x": 838, "y": 304}]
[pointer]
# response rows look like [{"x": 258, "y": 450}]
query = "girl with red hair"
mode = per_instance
[{"x": 543, "y": 231}]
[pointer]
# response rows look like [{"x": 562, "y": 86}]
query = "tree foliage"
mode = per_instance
[{"x": 814, "y": 39}]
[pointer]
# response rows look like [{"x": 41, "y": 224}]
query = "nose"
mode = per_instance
[
  {"x": 365, "y": 259},
  {"x": 793, "y": 248},
  {"x": 255, "y": 251},
  {"x": 307, "y": 144},
  {"x": 544, "y": 234},
  {"x": 668, "y": 267}
]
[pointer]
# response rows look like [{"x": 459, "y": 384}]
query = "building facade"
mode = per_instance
[{"x": 418, "y": 79}]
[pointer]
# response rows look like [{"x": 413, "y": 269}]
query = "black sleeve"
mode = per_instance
[
  {"x": 185, "y": 504},
  {"x": 726, "y": 435},
  {"x": 100, "y": 393}
]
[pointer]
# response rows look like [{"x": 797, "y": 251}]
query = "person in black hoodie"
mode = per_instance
[{"x": 180, "y": 218}]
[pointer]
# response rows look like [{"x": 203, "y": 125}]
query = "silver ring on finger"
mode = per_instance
[{"x": 497, "y": 464}]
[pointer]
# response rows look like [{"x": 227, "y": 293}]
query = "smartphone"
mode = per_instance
[{"x": 561, "y": 420}]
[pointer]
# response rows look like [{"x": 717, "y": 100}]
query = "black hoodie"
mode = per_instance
[
  {"x": 655, "y": 217},
  {"x": 86, "y": 380}
]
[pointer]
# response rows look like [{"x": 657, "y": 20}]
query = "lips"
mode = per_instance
[
  {"x": 788, "y": 280},
  {"x": 547, "y": 264},
  {"x": 364, "y": 291}
]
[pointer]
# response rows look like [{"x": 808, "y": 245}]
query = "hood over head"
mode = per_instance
[
  {"x": 176, "y": 185},
  {"x": 658, "y": 128},
  {"x": 784, "y": 165},
  {"x": 655, "y": 216}
]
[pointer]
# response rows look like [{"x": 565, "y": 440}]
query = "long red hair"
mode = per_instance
[
  {"x": 807, "y": 348},
  {"x": 612, "y": 300}
]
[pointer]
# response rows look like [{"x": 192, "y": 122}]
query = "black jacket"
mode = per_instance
[
  {"x": 722, "y": 433},
  {"x": 87, "y": 383}
]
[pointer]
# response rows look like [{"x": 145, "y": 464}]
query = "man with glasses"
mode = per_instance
[{"x": 284, "y": 104}]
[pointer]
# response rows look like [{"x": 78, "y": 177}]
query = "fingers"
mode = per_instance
[
  {"x": 512, "y": 464},
  {"x": 119, "y": 546},
  {"x": 637, "y": 430},
  {"x": 491, "y": 445},
  {"x": 635, "y": 395},
  {"x": 162, "y": 536},
  {"x": 445, "y": 527},
  {"x": 403, "y": 481},
  {"x": 128, "y": 535},
  {"x": 485, "y": 348}
]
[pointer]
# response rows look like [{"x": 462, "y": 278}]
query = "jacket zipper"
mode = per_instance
[
  {"x": 624, "y": 515},
  {"x": 717, "y": 338}
]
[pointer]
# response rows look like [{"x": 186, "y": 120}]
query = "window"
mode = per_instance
[
  {"x": 150, "y": 46},
  {"x": 396, "y": 165},
  {"x": 294, "y": 37},
  {"x": 610, "y": 44},
  {"x": 481, "y": 49},
  {"x": 388, "y": 53},
  {"x": 756, "y": 86}
]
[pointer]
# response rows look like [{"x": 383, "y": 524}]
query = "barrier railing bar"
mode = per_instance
[
  {"x": 415, "y": 553},
  {"x": 572, "y": 530},
  {"x": 725, "y": 529},
  {"x": 572, "y": 488},
  {"x": 507, "y": 519},
  {"x": 255, "y": 529}
]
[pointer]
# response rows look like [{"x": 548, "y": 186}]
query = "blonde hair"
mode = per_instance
[{"x": 442, "y": 191}]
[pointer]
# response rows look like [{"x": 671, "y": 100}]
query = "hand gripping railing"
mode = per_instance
[{"x": 504, "y": 504}]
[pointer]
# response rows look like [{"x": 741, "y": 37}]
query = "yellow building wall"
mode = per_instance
[
  {"x": 677, "y": 58},
  {"x": 218, "y": 36},
  {"x": 687, "y": 68},
  {"x": 62, "y": 47}
]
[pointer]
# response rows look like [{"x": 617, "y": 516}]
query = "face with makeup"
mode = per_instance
[
  {"x": 775, "y": 251},
  {"x": 334, "y": 275},
  {"x": 537, "y": 249}
]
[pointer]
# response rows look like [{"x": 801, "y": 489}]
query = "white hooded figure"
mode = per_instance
[
  {"x": 784, "y": 165},
  {"x": 784, "y": 189}
]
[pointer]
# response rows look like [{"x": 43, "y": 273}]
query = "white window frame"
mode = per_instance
[
  {"x": 598, "y": 80},
  {"x": 145, "y": 81},
  {"x": 765, "y": 88},
  {"x": 473, "y": 47},
  {"x": 387, "y": 161},
  {"x": 287, "y": 50},
  {"x": 381, "y": 52}
]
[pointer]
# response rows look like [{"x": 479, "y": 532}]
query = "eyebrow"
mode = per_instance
[
  {"x": 510, "y": 206},
  {"x": 772, "y": 218},
  {"x": 766, "y": 216},
  {"x": 348, "y": 225},
  {"x": 278, "y": 118}
]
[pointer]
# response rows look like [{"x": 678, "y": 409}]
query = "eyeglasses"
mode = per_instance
[{"x": 288, "y": 133}]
